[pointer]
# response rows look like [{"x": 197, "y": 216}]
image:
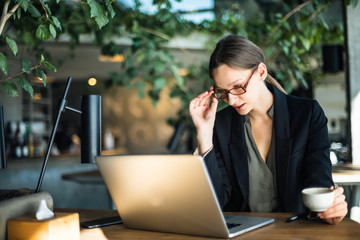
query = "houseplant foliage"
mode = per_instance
[
  {"x": 291, "y": 37},
  {"x": 32, "y": 22}
]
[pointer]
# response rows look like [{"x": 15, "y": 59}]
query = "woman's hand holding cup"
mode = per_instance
[{"x": 328, "y": 202}]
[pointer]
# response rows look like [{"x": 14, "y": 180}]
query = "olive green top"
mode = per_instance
[{"x": 262, "y": 175}]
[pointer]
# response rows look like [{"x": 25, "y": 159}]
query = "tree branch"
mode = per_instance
[
  {"x": 46, "y": 13},
  {"x": 6, "y": 15},
  {"x": 320, "y": 9},
  {"x": 19, "y": 74},
  {"x": 284, "y": 19}
]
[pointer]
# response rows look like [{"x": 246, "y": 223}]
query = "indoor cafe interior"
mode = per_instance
[{"x": 79, "y": 79}]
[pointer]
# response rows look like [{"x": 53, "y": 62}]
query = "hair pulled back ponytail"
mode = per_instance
[{"x": 239, "y": 52}]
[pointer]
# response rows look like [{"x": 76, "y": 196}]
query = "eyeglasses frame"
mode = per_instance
[{"x": 242, "y": 87}]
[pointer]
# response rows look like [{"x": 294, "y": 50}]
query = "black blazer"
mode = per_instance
[{"x": 302, "y": 153}]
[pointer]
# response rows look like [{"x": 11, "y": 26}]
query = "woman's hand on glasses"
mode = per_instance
[{"x": 202, "y": 112}]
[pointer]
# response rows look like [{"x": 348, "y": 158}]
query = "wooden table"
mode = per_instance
[{"x": 280, "y": 229}]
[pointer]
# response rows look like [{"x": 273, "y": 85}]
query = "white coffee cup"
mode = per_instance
[{"x": 318, "y": 199}]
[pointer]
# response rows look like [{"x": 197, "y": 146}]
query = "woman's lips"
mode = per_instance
[{"x": 238, "y": 108}]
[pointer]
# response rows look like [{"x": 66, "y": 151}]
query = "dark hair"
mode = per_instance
[{"x": 238, "y": 52}]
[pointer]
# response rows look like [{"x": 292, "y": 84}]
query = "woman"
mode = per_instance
[{"x": 266, "y": 146}]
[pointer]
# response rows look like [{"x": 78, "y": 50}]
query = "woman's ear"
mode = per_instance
[{"x": 262, "y": 70}]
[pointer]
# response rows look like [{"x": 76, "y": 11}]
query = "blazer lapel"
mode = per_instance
[
  {"x": 283, "y": 143},
  {"x": 238, "y": 153},
  {"x": 238, "y": 150}
]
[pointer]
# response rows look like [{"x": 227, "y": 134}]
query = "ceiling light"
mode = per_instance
[{"x": 92, "y": 81}]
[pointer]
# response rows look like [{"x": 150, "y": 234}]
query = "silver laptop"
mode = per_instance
[{"x": 169, "y": 193}]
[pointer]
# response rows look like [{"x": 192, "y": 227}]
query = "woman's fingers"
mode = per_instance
[
  {"x": 214, "y": 104},
  {"x": 335, "y": 214},
  {"x": 205, "y": 101},
  {"x": 201, "y": 100},
  {"x": 196, "y": 101},
  {"x": 338, "y": 210}
]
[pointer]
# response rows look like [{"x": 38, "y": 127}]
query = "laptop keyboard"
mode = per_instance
[{"x": 232, "y": 225}]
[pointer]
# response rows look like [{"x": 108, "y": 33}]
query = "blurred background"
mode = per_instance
[{"x": 147, "y": 59}]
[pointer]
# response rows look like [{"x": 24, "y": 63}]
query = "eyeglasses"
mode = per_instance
[{"x": 222, "y": 94}]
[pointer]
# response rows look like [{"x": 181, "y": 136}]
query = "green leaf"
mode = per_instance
[
  {"x": 10, "y": 88},
  {"x": 26, "y": 66},
  {"x": 12, "y": 44},
  {"x": 24, "y": 4},
  {"x": 165, "y": 57},
  {"x": 40, "y": 74},
  {"x": 354, "y": 3},
  {"x": 159, "y": 83},
  {"x": 28, "y": 38},
  {"x": 141, "y": 87},
  {"x": 42, "y": 58},
  {"x": 33, "y": 11},
  {"x": 98, "y": 13},
  {"x": 323, "y": 22},
  {"x": 285, "y": 49},
  {"x": 300, "y": 76},
  {"x": 18, "y": 13},
  {"x": 49, "y": 66},
  {"x": 52, "y": 30},
  {"x": 155, "y": 96},
  {"x": 159, "y": 66},
  {"x": 25, "y": 85},
  {"x": 154, "y": 102},
  {"x": 140, "y": 58},
  {"x": 3, "y": 63},
  {"x": 305, "y": 42},
  {"x": 131, "y": 72},
  {"x": 57, "y": 22},
  {"x": 46, "y": 7},
  {"x": 57, "y": 1},
  {"x": 110, "y": 9},
  {"x": 42, "y": 32},
  {"x": 179, "y": 79}
]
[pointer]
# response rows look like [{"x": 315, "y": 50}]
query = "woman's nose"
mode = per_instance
[{"x": 231, "y": 99}]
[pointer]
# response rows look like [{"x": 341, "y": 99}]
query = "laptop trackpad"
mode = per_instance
[{"x": 244, "y": 224}]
